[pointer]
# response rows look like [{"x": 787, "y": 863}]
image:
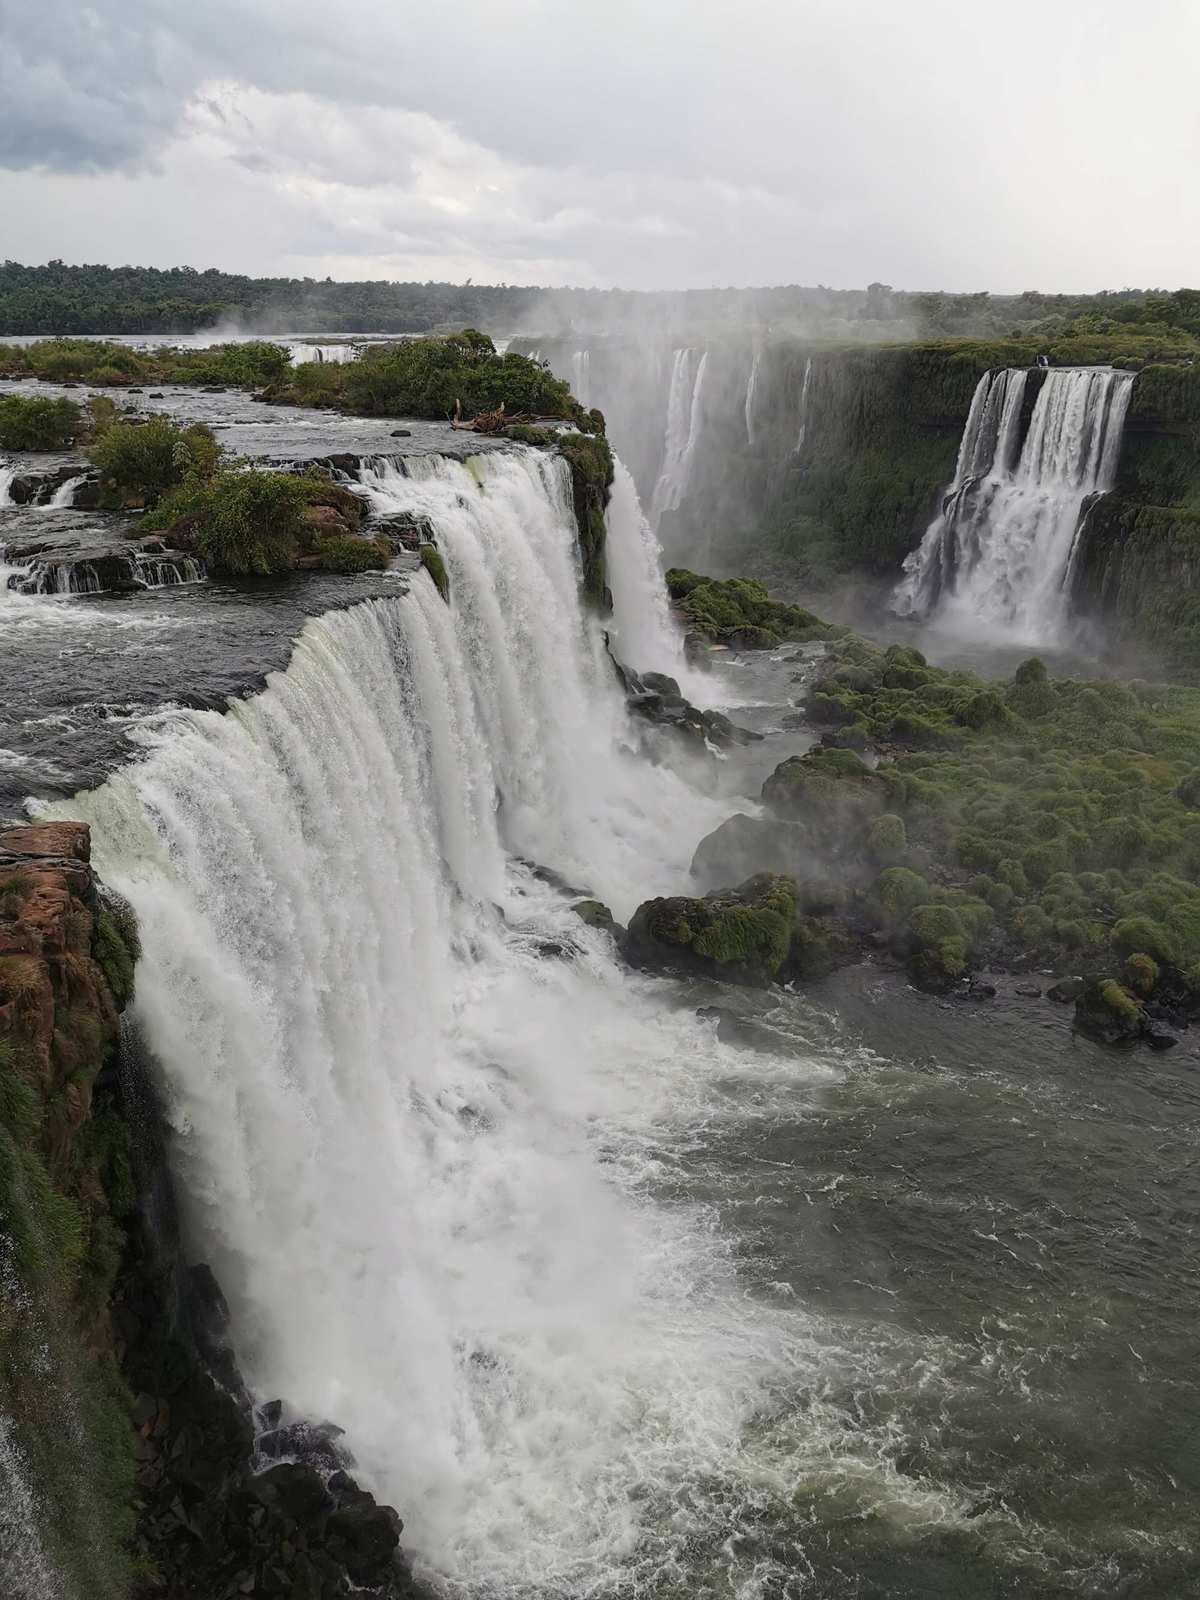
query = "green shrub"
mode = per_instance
[
  {"x": 898, "y": 891},
  {"x": 1139, "y": 935},
  {"x": 351, "y": 555},
  {"x": 140, "y": 463},
  {"x": 887, "y": 841},
  {"x": 34, "y": 422},
  {"x": 1141, "y": 972},
  {"x": 930, "y": 924},
  {"x": 241, "y": 522}
]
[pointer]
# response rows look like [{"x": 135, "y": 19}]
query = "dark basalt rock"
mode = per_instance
[
  {"x": 1066, "y": 991},
  {"x": 35, "y": 487},
  {"x": 657, "y": 698}
]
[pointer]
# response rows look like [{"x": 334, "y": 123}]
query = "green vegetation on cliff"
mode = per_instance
[
  {"x": 1138, "y": 568},
  {"x": 66, "y": 967},
  {"x": 1057, "y": 819},
  {"x": 591, "y": 463},
  {"x": 460, "y": 374},
  {"x": 882, "y": 428}
]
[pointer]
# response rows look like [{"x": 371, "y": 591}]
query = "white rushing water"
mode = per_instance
[
  {"x": 7, "y": 474},
  {"x": 645, "y": 635},
  {"x": 751, "y": 387},
  {"x": 997, "y": 555},
  {"x": 64, "y": 495},
  {"x": 684, "y": 395},
  {"x": 581, "y": 381},
  {"x": 26, "y": 1572},
  {"x": 415, "y": 1146},
  {"x": 336, "y": 353},
  {"x": 802, "y": 429}
]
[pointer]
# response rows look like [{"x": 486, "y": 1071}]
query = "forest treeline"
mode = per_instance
[{"x": 60, "y": 299}]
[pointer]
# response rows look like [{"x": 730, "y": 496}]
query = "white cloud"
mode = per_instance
[{"x": 678, "y": 142}]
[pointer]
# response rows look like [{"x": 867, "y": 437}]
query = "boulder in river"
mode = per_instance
[{"x": 740, "y": 935}]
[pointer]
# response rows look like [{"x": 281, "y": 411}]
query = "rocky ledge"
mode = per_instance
[{"x": 175, "y": 1486}]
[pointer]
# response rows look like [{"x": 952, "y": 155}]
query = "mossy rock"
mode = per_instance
[
  {"x": 830, "y": 790},
  {"x": 1108, "y": 1012},
  {"x": 595, "y": 914},
  {"x": 431, "y": 560},
  {"x": 738, "y": 935}
]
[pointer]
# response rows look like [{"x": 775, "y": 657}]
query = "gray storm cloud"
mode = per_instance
[{"x": 656, "y": 144}]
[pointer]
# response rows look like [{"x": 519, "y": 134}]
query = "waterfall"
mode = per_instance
[
  {"x": 682, "y": 433},
  {"x": 751, "y": 386},
  {"x": 997, "y": 554},
  {"x": 64, "y": 495},
  {"x": 337, "y": 353},
  {"x": 7, "y": 474},
  {"x": 802, "y": 430},
  {"x": 581, "y": 384},
  {"x": 166, "y": 572},
  {"x": 25, "y": 1568},
  {"x": 417, "y": 1148},
  {"x": 645, "y": 634}
]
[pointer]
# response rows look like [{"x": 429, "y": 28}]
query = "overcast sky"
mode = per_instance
[{"x": 1049, "y": 144}]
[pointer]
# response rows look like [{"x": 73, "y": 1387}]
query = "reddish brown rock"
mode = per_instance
[
  {"x": 69, "y": 840},
  {"x": 56, "y": 1008}
]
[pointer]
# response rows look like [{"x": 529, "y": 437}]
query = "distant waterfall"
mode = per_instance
[
  {"x": 683, "y": 431},
  {"x": 338, "y": 354},
  {"x": 417, "y": 1140},
  {"x": 802, "y": 430},
  {"x": 997, "y": 554},
  {"x": 581, "y": 383},
  {"x": 751, "y": 387}
]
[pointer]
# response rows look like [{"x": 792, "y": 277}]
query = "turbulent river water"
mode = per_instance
[{"x": 845, "y": 1293}]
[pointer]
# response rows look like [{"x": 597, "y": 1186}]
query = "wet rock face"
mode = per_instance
[
  {"x": 657, "y": 698},
  {"x": 67, "y": 563},
  {"x": 38, "y": 486},
  {"x": 55, "y": 1003}
]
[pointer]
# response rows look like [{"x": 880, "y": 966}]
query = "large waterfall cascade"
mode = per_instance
[
  {"x": 998, "y": 553},
  {"x": 684, "y": 399},
  {"x": 415, "y": 1148}
]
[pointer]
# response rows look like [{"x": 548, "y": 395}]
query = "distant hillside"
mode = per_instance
[{"x": 61, "y": 299}]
